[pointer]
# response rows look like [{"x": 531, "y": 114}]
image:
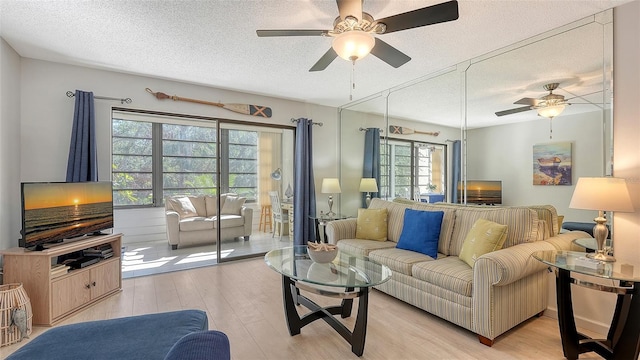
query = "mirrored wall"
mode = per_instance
[{"x": 460, "y": 104}]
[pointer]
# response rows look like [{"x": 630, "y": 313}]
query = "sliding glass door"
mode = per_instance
[{"x": 213, "y": 175}]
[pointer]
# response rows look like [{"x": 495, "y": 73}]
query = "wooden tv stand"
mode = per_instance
[{"x": 54, "y": 299}]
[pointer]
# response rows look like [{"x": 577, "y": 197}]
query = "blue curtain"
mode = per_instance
[
  {"x": 83, "y": 153},
  {"x": 304, "y": 194},
  {"x": 371, "y": 168},
  {"x": 455, "y": 172}
]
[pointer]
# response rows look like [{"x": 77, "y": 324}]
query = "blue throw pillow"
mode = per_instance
[{"x": 421, "y": 231}]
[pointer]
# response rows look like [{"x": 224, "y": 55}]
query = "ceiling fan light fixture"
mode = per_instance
[
  {"x": 551, "y": 111},
  {"x": 353, "y": 45}
]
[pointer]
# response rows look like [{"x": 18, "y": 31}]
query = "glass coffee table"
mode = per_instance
[{"x": 347, "y": 277}]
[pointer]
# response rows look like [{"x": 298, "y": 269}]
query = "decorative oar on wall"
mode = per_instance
[
  {"x": 253, "y": 110},
  {"x": 393, "y": 129}
]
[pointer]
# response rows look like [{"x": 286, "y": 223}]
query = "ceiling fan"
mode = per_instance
[
  {"x": 353, "y": 32},
  {"x": 549, "y": 106}
]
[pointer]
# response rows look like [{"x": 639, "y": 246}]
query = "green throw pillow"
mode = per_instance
[
  {"x": 372, "y": 224},
  {"x": 484, "y": 237}
]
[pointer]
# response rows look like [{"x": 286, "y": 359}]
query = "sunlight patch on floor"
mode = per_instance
[
  {"x": 140, "y": 264},
  {"x": 204, "y": 256}
]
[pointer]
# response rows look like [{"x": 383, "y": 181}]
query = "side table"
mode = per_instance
[
  {"x": 322, "y": 221},
  {"x": 623, "y": 339}
]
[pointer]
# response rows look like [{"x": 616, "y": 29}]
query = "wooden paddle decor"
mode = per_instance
[
  {"x": 253, "y": 110},
  {"x": 406, "y": 131}
]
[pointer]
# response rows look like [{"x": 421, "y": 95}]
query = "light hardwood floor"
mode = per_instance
[{"x": 244, "y": 300}]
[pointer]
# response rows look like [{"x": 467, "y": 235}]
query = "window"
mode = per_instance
[
  {"x": 153, "y": 160},
  {"x": 411, "y": 169}
]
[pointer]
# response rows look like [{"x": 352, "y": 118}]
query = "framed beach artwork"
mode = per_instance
[{"x": 552, "y": 164}]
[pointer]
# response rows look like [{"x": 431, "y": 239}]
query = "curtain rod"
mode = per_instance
[
  {"x": 122, "y": 101},
  {"x": 365, "y": 129},
  {"x": 312, "y": 123}
]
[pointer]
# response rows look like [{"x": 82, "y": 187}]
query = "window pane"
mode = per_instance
[
  {"x": 186, "y": 164},
  {"x": 123, "y": 145},
  {"x": 123, "y": 163},
  {"x": 134, "y": 129},
  {"x": 132, "y": 163},
  {"x": 183, "y": 148},
  {"x": 132, "y": 197}
]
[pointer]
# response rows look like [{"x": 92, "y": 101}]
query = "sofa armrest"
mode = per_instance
[
  {"x": 505, "y": 266},
  {"x": 340, "y": 229},
  {"x": 173, "y": 227}
]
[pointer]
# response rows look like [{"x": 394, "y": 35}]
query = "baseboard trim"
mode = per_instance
[{"x": 581, "y": 322}]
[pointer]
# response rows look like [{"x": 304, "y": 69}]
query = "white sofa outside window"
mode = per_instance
[{"x": 193, "y": 220}]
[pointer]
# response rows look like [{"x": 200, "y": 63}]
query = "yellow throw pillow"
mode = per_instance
[
  {"x": 372, "y": 224},
  {"x": 484, "y": 237}
]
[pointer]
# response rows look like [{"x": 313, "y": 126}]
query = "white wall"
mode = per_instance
[
  {"x": 626, "y": 133},
  {"x": 506, "y": 153},
  {"x": 47, "y": 113},
  {"x": 10, "y": 217}
]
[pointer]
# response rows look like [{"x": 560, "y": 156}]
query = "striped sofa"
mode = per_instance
[{"x": 503, "y": 289}]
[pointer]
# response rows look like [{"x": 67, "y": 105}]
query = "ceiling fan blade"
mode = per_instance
[
  {"x": 325, "y": 60},
  {"x": 513, "y": 111},
  {"x": 447, "y": 11},
  {"x": 269, "y": 33},
  {"x": 350, "y": 8},
  {"x": 389, "y": 54},
  {"x": 527, "y": 101}
]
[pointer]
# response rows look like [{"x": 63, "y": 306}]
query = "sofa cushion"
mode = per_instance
[
  {"x": 484, "y": 237},
  {"x": 228, "y": 221},
  {"x": 363, "y": 247},
  {"x": 183, "y": 206},
  {"x": 141, "y": 337},
  {"x": 372, "y": 224},
  {"x": 522, "y": 224},
  {"x": 398, "y": 260},
  {"x": 421, "y": 231},
  {"x": 446, "y": 229},
  {"x": 395, "y": 214},
  {"x": 201, "y": 345},
  {"x": 232, "y": 205},
  {"x": 449, "y": 273},
  {"x": 196, "y": 223},
  {"x": 211, "y": 204}
]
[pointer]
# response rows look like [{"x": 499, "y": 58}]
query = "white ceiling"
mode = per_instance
[{"x": 214, "y": 43}]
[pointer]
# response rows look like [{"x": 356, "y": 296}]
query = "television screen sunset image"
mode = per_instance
[{"x": 56, "y": 211}]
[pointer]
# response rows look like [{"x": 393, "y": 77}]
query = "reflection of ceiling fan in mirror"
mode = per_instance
[
  {"x": 549, "y": 106},
  {"x": 353, "y": 32}
]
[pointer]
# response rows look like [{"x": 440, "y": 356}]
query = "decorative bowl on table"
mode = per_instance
[{"x": 322, "y": 253}]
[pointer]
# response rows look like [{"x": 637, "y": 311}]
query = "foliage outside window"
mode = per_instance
[
  {"x": 154, "y": 160},
  {"x": 407, "y": 170}
]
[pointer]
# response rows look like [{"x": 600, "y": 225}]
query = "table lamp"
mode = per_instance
[
  {"x": 330, "y": 186},
  {"x": 368, "y": 185},
  {"x": 601, "y": 194}
]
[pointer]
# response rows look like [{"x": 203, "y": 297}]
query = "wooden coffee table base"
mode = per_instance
[{"x": 292, "y": 297}]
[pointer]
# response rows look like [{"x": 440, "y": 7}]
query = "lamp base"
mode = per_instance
[{"x": 601, "y": 257}]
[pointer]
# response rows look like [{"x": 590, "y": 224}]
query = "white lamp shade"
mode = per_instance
[
  {"x": 602, "y": 194},
  {"x": 330, "y": 186},
  {"x": 353, "y": 45},
  {"x": 551, "y": 111},
  {"x": 368, "y": 185}
]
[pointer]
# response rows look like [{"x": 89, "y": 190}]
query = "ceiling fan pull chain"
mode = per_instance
[
  {"x": 550, "y": 129},
  {"x": 353, "y": 79}
]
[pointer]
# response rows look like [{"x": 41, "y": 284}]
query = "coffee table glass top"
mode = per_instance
[
  {"x": 346, "y": 270},
  {"x": 579, "y": 263}
]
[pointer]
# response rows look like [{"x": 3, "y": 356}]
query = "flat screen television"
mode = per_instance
[
  {"x": 56, "y": 211},
  {"x": 482, "y": 192}
]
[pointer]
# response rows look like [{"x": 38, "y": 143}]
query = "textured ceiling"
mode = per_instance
[{"x": 214, "y": 43}]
